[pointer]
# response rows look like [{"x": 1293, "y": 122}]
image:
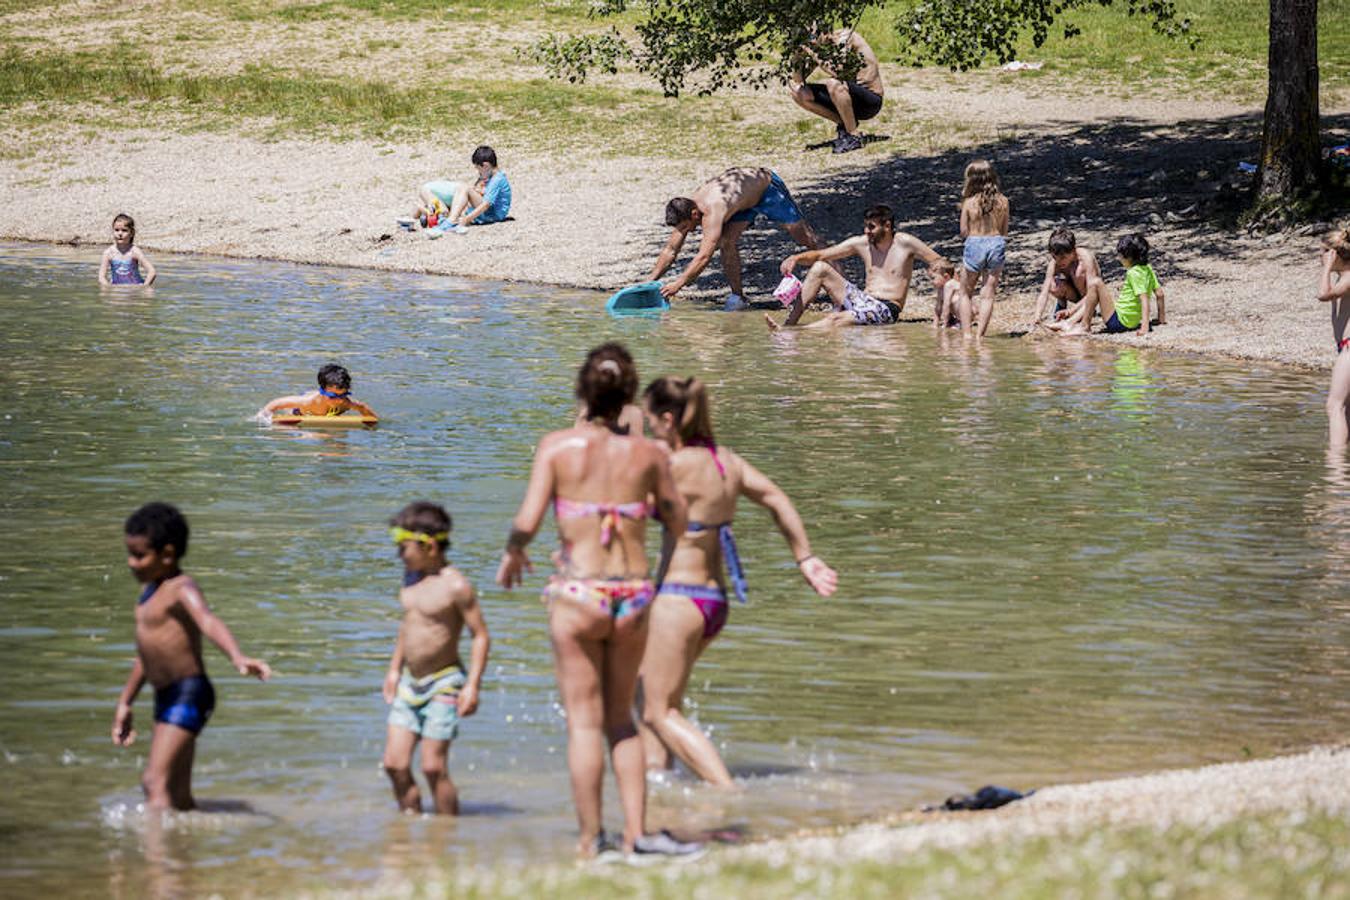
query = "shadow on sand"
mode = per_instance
[{"x": 1106, "y": 177}]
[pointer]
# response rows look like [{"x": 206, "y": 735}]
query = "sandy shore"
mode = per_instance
[{"x": 1166, "y": 167}]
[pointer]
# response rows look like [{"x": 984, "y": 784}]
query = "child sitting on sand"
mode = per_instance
[
  {"x": 1130, "y": 310},
  {"x": 426, "y": 685},
  {"x": 486, "y": 201},
  {"x": 952, "y": 305},
  {"x": 171, "y": 617},
  {"x": 122, "y": 261},
  {"x": 333, "y": 398},
  {"x": 984, "y": 225},
  {"x": 1334, "y": 287},
  {"x": 1067, "y": 275}
]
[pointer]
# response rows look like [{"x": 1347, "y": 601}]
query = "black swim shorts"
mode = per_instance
[{"x": 866, "y": 104}]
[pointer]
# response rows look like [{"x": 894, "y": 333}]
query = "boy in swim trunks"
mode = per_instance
[
  {"x": 426, "y": 686},
  {"x": 724, "y": 207},
  {"x": 333, "y": 398},
  {"x": 888, "y": 259},
  {"x": 1129, "y": 310},
  {"x": 171, "y": 617}
]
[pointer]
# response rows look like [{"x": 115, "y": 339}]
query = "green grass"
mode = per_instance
[
  {"x": 561, "y": 12},
  {"x": 1291, "y": 855},
  {"x": 1116, "y": 47}
]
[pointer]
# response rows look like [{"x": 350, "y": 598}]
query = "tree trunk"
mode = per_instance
[{"x": 1290, "y": 145}]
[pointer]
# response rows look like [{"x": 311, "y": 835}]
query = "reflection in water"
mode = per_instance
[{"x": 1058, "y": 560}]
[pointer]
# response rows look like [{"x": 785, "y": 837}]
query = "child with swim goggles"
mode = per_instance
[
  {"x": 1333, "y": 287},
  {"x": 171, "y": 617},
  {"x": 426, "y": 687},
  {"x": 122, "y": 261},
  {"x": 691, "y": 602},
  {"x": 333, "y": 398},
  {"x": 984, "y": 225}
]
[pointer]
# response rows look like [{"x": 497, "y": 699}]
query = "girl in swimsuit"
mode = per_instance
[
  {"x": 691, "y": 603},
  {"x": 599, "y": 482},
  {"x": 122, "y": 261},
  {"x": 1334, "y": 287}
]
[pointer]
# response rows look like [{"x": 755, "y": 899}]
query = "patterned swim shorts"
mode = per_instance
[{"x": 868, "y": 310}]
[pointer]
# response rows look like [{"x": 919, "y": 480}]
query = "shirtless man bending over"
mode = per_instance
[
  {"x": 724, "y": 207},
  {"x": 888, "y": 258}
]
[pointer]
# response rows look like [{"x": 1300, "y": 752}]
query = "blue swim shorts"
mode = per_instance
[
  {"x": 186, "y": 703},
  {"x": 776, "y": 205},
  {"x": 984, "y": 253},
  {"x": 1113, "y": 326},
  {"x": 429, "y": 705}
]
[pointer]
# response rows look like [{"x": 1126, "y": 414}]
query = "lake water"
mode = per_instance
[{"x": 1058, "y": 560}]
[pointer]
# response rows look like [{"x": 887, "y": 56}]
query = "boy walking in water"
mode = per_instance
[
  {"x": 426, "y": 684},
  {"x": 171, "y": 617}
]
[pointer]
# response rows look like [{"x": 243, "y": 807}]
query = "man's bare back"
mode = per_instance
[
  {"x": 433, "y": 620},
  {"x": 731, "y": 192}
]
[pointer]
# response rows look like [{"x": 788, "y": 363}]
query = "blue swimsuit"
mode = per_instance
[
  {"x": 125, "y": 270},
  {"x": 188, "y": 702}
]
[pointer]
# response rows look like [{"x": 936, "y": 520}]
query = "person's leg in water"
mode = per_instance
[
  {"x": 675, "y": 644},
  {"x": 167, "y": 779},
  {"x": 1338, "y": 400},
  {"x": 987, "y": 300},
  {"x": 821, "y": 276},
  {"x": 398, "y": 752},
  {"x": 622, "y": 658},
  {"x": 436, "y": 768},
  {"x": 578, "y": 634},
  {"x": 729, "y": 247}
]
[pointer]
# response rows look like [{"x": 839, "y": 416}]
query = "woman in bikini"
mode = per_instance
[
  {"x": 598, "y": 481},
  {"x": 691, "y": 603}
]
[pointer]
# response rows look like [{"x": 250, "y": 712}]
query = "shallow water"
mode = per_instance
[{"x": 1059, "y": 560}]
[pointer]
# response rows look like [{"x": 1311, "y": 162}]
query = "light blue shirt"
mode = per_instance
[{"x": 498, "y": 198}]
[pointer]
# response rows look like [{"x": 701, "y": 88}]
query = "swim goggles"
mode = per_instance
[
  {"x": 402, "y": 534},
  {"x": 333, "y": 395}
]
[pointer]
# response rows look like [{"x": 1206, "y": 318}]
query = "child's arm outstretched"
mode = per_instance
[
  {"x": 144, "y": 260},
  {"x": 361, "y": 408},
  {"x": 1162, "y": 308},
  {"x": 123, "y": 734},
  {"x": 478, "y": 650},
  {"x": 219, "y": 633},
  {"x": 757, "y": 486}
]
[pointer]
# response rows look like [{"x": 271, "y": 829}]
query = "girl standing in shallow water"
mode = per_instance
[
  {"x": 691, "y": 603},
  {"x": 598, "y": 481},
  {"x": 122, "y": 260},
  {"x": 984, "y": 225}
]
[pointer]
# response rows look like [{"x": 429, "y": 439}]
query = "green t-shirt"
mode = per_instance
[{"x": 1139, "y": 280}]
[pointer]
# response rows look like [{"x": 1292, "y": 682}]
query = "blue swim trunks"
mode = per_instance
[
  {"x": 1113, "y": 325},
  {"x": 984, "y": 253},
  {"x": 186, "y": 703},
  {"x": 776, "y": 205},
  {"x": 429, "y": 705}
]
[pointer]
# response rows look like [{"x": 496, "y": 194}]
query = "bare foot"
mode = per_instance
[{"x": 773, "y": 326}]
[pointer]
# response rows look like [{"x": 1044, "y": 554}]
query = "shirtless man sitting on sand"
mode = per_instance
[
  {"x": 888, "y": 258},
  {"x": 724, "y": 207}
]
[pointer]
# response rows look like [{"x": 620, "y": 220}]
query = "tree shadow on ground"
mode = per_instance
[{"x": 1178, "y": 183}]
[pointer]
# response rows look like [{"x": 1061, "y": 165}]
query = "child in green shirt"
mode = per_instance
[{"x": 1129, "y": 311}]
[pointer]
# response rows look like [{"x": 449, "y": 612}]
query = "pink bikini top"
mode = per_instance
[{"x": 609, "y": 513}]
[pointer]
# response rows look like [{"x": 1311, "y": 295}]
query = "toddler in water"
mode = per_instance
[
  {"x": 951, "y": 306},
  {"x": 122, "y": 260},
  {"x": 1130, "y": 310},
  {"x": 333, "y": 398},
  {"x": 426, "y": 686},
  {"x": 171, "y": 617},
  {"x": 984, "y": 225}
]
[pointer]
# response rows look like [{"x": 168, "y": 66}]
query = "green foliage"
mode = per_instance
[{"x": 757, "y": 41}]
